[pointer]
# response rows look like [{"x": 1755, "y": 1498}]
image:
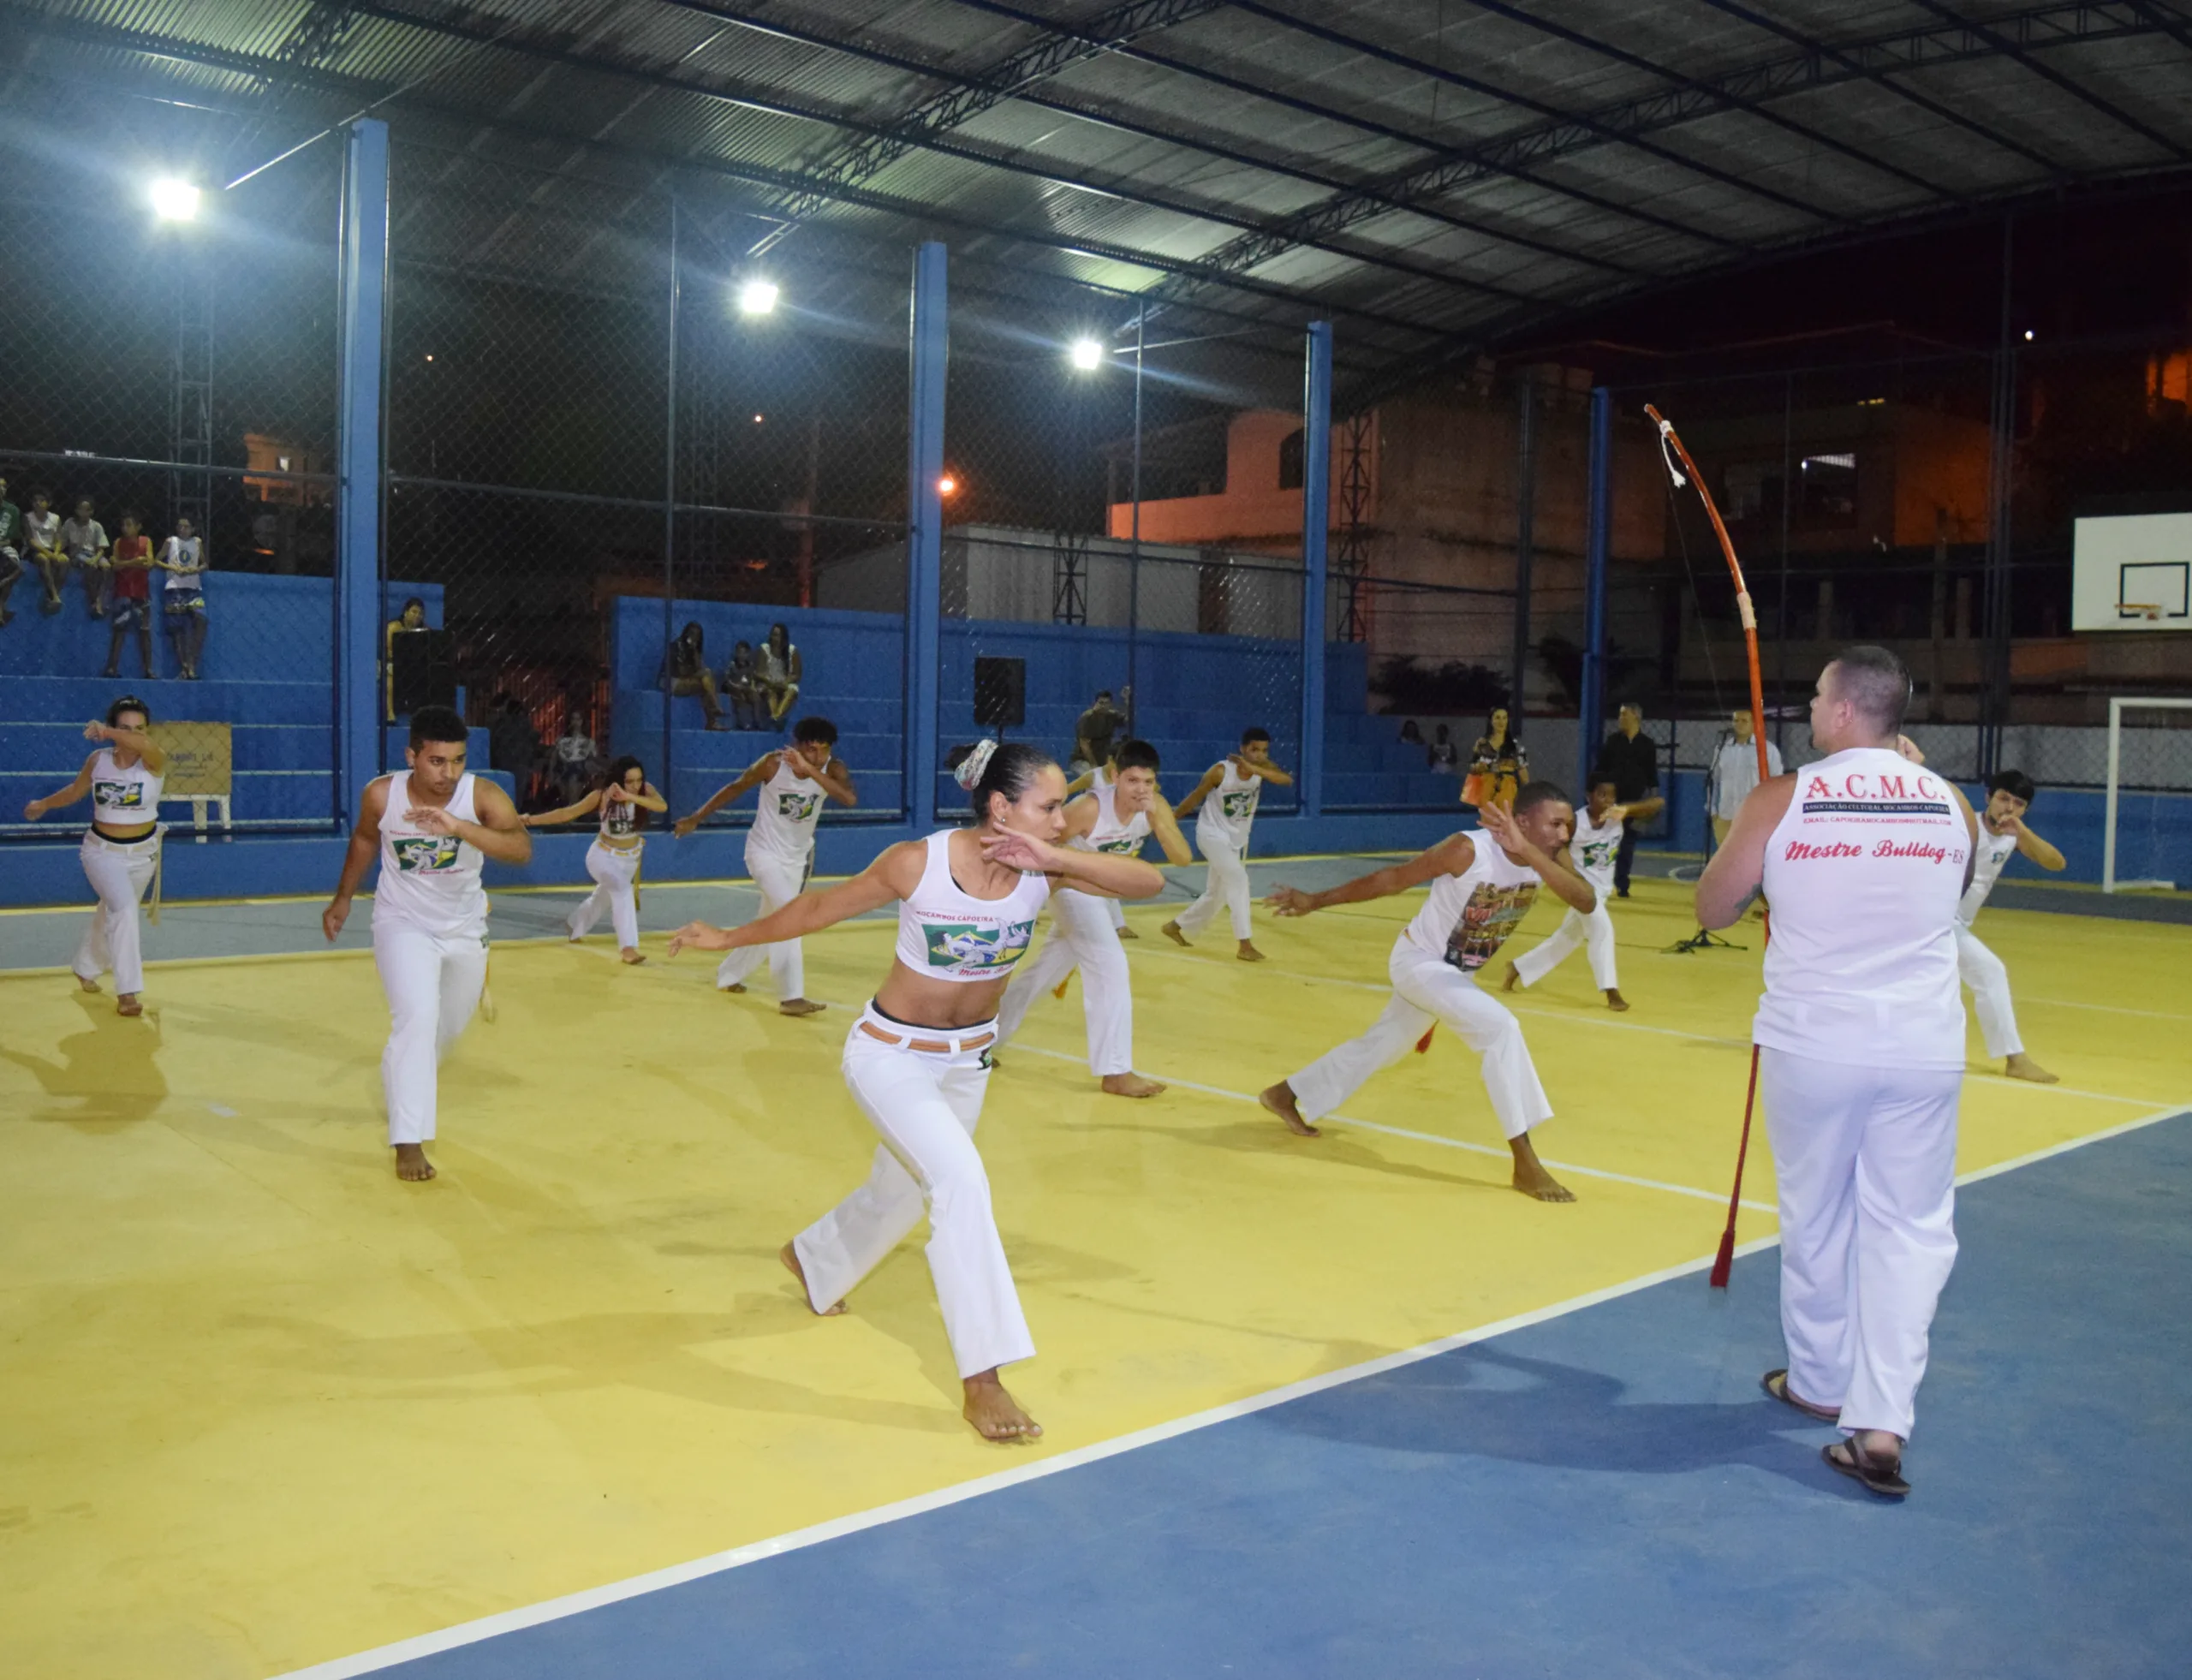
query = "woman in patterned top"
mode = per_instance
[{"x": 1499, "y": 764}]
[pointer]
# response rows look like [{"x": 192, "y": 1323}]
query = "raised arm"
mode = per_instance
[
  {"x": 1166, "y": 827},
  {"x": 569, "y": 813},
  {"x": 137, "y": 740},
  {"x": 755, "y": 773},
  {"x": 1738, "y": 868},
  {"x": 365, "y": 842},
  {"x": 837, "y": 781},
  {"x": 1554, "y": 869},
  {"x": 648, "y": 799},
  {"x": 2035, "y": 848},
  {"x": 1098, "y": 874},
  {"x": 892, "y": 876},
  {"x": 1270, "y": 773},
  {"x": 1450, "y": 856},
  {"x": 1639, "y": 810},
  {"x": 1203, "y": 790},
  {"x": 69, "y": 795},
  {"x": 499, "y": 833}
]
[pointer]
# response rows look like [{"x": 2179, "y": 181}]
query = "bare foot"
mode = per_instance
[
  {"x": 735, "y": 985},
  {"x": 1129, "y": 933},
  {"x": 90, "y": 985},
  {"x": 1279, "y": 1099},
  {"x": 789, "y": 1256},
  {"x": 1249, "y": 953},
  {"x": 2021, "y": 1066},
  {"x": 1129, "y": 1085},
  {"x": 1615, "y": 1001},
  {"x": 996, "y": 1415},
  {"x": 631, "y": 954},
  {"x": 127, "y": 1003},
  {"x": 1514, "y": 978},
  {"x": 801, "y": 1006},
  {"x": 574, "y": 938},
  {"x": 1530, "y": 1177},
  {"x": 411, "y": 1164},
  {"x": 1171, "y": 930}
]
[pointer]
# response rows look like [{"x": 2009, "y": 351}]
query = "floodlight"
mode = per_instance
[
  {"x": 1088, "y": 354},
  {"x": 175, "y": 200},
  {"x": 757, "y": 297},
  {"x": 946, "y": 486}
]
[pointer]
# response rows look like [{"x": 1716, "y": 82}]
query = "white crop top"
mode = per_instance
[
  {"x": 620, "y": 823},
  {"x": 123, "y": 798},
  {"x": 431, "y": 881},
  {"x": 1469, "y": 916},
  {"x": 943, "y": 934}
]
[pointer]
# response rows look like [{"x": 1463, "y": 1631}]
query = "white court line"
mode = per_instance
[
  {"x": 2109, "y": 1008},
  {"x": 637, "y": 1586},
  {"x": 1427, "y": 1137}
]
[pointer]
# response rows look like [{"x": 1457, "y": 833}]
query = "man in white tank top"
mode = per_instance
[
  {"x": 1863, "y": 857},
  {"x": 1116, "y": 817},
  {"x": 1482, "y": 887},
  {"x": 1223, "y": 804},
  {"x": 1594, "y": 850},
  {"x": 431, "y": 827},
  {"x": 780, "y": 847},
  {"x": 2001, "y": 832}
]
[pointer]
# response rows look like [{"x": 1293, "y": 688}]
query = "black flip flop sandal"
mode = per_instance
[
  {"x": 1775, "y": 1385},
  {"x": 1881, "y": 1477}
]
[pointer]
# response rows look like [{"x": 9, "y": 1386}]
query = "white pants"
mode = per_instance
[
  {"x": 1982, "y": 971},
  {"x": 613, "y": 874},
  {"x": 433, "y": 981},
  {"x": 780, "y": 880},
  {"x": 1115, "y": 913},
  {"x": 1429, "y": 989},
  {"x": 925, "y": 1106},
  {"x": 1081, "y": 937},
  {"x": 1576, "y": 928},
  {"x": 1866, "y": 1157},
  {"x": 1226, "y": 884},
  {"x": 119, "y": 872}
]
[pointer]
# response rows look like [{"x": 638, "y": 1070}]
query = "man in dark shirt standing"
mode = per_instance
[
  {"x": 1092, "y": 736},
  {"x": 1631, "y": 760}
]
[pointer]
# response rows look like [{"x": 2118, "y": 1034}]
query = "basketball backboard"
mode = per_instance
[{"x": 2132, "y": 572}]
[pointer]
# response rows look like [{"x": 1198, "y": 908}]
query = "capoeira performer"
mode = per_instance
[
  {"x": 1596, "y": 845},
  {"x": 2001, "y": 831},
  {"x": 780, "y": 846},
  {"x": 1099, "y": 776},
  {"x": 1482, "y": 884},
  {"x": 1863, "y": 855},
  {"x": 121, "y": 853},
  {"x": 613, "y": 859},
  {"x": 1115, "y": 817},
  {"x": 431, "y": 827},
  {"x": 1224, "y": 807},
  {"x": 917, "y": 1060}
]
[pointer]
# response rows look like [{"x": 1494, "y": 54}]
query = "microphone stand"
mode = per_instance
[{"x": 1704, "y": 938}]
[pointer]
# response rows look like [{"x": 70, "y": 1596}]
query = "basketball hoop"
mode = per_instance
[{"x": 2149, "y": 610}]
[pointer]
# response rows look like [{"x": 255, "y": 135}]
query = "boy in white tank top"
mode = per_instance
[
  {"x": 2002, "y": 831},
  {"x": 1223, "y": 804},
  {"x": 1481, "y": 885},
  {"x": 431, "y": 827},
  {"x": 1117, "y": 816},
  {"x": 1863, "y": 857},
  {"x": 1090, "y": 780},
  {"x": 780, "y": 846},
  {"x": 1595, "y": 851}
]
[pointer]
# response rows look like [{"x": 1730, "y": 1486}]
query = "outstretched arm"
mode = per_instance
[
  {"x": 1098, "y": 874},
  {"x": 69, "y": 795},
  {"x": 893, "y": 875},
  {"x": 569, "y": 813},
  {"x": 756, "y": 773},
  {"x": 1738, "y": 868},
  {"x": 1450, "y": 856},
  {"x": 1203, "y": 790},
  {"x": 1166, "y": 827},
  {"x": 1639, "y": 810}
]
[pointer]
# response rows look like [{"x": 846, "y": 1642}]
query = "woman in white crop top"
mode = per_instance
[
  {"x": 613, "y": 859},
  {"x": 121, "y": 852},
  {"x": 917, "y": 1059}
]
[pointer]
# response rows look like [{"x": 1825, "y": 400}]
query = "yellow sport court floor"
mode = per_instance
[{"x": 262, "y": 1407}]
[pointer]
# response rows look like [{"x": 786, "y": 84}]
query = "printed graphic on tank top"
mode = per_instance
[
  {"x": 1107, "y": 833},
  {"x": 1594, "y": 848},
  {"x": 1469, "y": 916},
  {"x": 1230, "y": 810},
  {"x": 620, "y": 819},
  {"x": 946, "y": 934},
  {"x": 788, "y": 807},
  {"x": 124, "y": 796},
  {"x": 430, "y": 880}
]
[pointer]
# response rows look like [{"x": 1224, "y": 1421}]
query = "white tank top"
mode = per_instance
[
  {"x": 123, "y": 798},
  {"x": 943, "y": 934},
  {"x": 1994, "y": 851},
  {"x": 1593, "y": 849},
  {"x": 620, "y": 823},
  {"x": 1108, "y": 833},
  {"x": 429, "y": 881},
  {"x": 1469, "y": 916},
  {"x": 790, "y": 805},
  {"x": 1230, "y": 810},
  {"x": 1862, "y": 876}
]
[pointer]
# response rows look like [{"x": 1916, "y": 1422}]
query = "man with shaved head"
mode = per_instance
[{"x": 1864, "y": 856}]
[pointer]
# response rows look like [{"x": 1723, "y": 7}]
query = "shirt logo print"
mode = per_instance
[
  {"x": 969, "y": 949},
  {"x": 1238, "y": 805},
  {"x": 127, "y": 795},
  {"x": 797, "y": 807},
  {"x": 425, "y": 854},
  {"x": 1486, "y": 919}
]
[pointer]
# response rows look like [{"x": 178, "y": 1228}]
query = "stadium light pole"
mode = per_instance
[{"x": 757, "y": 297}]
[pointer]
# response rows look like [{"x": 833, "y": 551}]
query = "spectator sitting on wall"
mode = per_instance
[
  {"x": 42, "y": 534},
  {"x": 131, "y": 598},
  {"x": 83, "y": 539},
  {"x": 742, "y": 687},
  {"x": 778, "y": 660},
  {"x": 1092, "y": 734},
  {"x": 576, "y": 760},
  {"x": 685, "y": 668},
  {"x": 413, "y": 617},
  {"x": 1631, "y": 760},
  {"x": 1411, "y": 735},
  {"x": 1500, "y": 763},
  {"x": 11, "y": 549},
  {"x": 1440, "y": 753},
  {"x": 182, "y": 558}
]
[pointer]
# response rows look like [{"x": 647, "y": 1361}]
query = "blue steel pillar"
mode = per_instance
[
  {"x": 363, "y": 297},
  {"x": 1591, "y": 703},
  {"x": 1316, "y": 523},
  {"x": 925, "y": 536}
]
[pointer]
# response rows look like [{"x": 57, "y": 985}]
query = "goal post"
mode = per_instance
[{"x": 2141, "y": 776}]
